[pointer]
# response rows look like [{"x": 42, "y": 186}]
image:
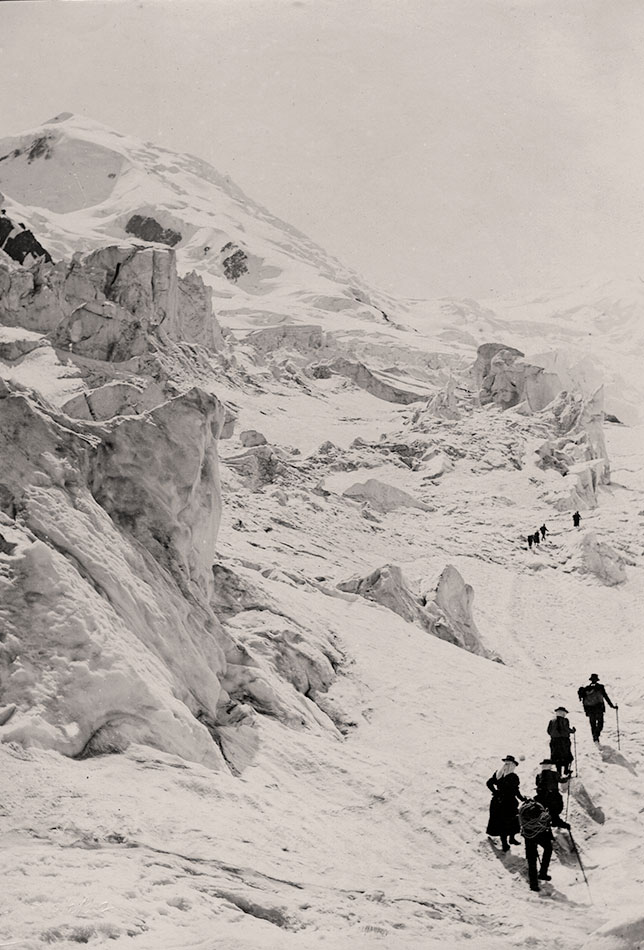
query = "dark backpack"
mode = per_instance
[{"x": 592, "y": 696}]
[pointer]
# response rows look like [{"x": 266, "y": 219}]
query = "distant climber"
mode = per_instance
[
  {"x": 576, "y": 518},
  {"x": 560, "y": 730},
  {"x": 544, "y": 532},
  {"x": 504, "y": 785},
  {"x": 536, "y": 537},
  {"x": 535, "y": 828},
  {"x": 548, "y": 793},
  {"x": 530, "y": 542},
  {"x": 592, "y": 696}
]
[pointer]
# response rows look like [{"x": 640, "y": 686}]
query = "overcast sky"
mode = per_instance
[{"x": 437, "y": 146}]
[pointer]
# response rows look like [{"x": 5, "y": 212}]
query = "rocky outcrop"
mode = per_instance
[
  {"x": 504, "y": 378},
  {"x": 149, "y": 229},
  {"x": 384, "y": 497},
  {"x": 20, "y": 243},
  {"x": 445, "y": 611},
  {"x": 234, "y": 262},
  {"x": 111, "y": 305}
]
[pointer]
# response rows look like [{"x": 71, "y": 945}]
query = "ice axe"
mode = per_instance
[
  {"x": 574, "y": 741},
  {"x": 617, "y": 722},
  {"x": 574, "y": 848}
]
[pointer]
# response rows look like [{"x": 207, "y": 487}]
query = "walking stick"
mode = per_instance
[
  {"x": 574, "y": 848},
  {"x": 617, "y": 719},
  {"x": 567, "y": 799},
  {"x": 574, "y": 739}
]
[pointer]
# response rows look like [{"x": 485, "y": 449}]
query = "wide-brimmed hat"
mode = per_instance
[
  {"x": 561, "y": 709},
  {"x": 510, "y": 758},
  {"x": 547, "y": 762},
  {"x": 593, "y": 676}
]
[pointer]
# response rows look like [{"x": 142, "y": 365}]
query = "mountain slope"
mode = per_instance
[{"x": 269, "y": 620}]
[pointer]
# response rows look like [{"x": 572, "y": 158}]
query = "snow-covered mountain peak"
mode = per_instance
[{"x": 81, "y": 185}]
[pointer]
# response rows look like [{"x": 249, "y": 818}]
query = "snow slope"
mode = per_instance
[{"x": 339, "y": 799}]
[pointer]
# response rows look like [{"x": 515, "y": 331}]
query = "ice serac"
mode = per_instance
[
  {"x": 157, "y": 477},
  {"x": 445, "y": 611},
  {"x": 602, "y": 560},
  {"x": 384, "y": 497},
  {"x": 450, "y": 605},
  {"x": 386, "y": 586},
  {"x": 577, "y": 448},
  {"x": 110, "y": 305},
  {"x": 109, "y": 634},
  {"x": 374, "y": 382},
  {"x": 506, "y": 379},
  {"x": 116, "y": 398}
]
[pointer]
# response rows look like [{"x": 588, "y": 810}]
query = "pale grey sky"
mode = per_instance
[{"x": 437, "y": 146}]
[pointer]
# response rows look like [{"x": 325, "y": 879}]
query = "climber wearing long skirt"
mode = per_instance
[
  {"x": 560, "y": 730},
  {"x": 504, "y": 785}
]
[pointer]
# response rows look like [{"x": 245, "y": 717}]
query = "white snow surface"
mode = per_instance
[{"x": 362, "y": 825}]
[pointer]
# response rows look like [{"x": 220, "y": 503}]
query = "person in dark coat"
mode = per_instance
[
  {"x": 593, "y": 696},
  {"x": 548, "y": 793},
  {"x": 537, "y": 833},
  {"x": 544, "y": 532},
  {"x": 560, "y": 730},
  {"x": 535, "y": 537},
  {"x": 576, "y": 518},
  {"x": 530, "y": 540},
  {"x": 504, "y": 785}
]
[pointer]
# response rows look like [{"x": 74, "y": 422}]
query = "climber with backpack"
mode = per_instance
[
  {"x": 534, "y": 820},
  {"x": 560, "y": 730},
  {"x": 592, "y": 696},
  {"x": 576, "y": 518},
  {"x": 548, "y": 793}
]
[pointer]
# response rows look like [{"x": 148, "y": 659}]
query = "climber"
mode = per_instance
[
  {"x": 537, "y": 540},
  {"x": 530, "y": 542},
  {"x": 560, "y": 730},
  {"x": 548, "y": 793},
  {"x": 576, "y": 518},
  {"x": 535, "y": 828},
  {"x": 593, "y": 696},
  {"x": 504, "y": 785},
  {"x": 544, "y": 532}
]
